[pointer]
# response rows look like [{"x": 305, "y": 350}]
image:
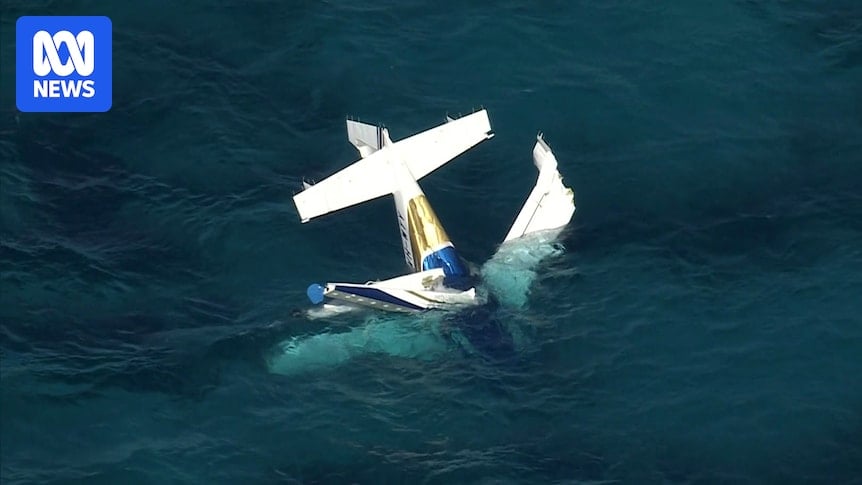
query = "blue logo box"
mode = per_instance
[{"x": 63, "y": 64}]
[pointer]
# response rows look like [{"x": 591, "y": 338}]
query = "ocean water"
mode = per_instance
[{"x": 702, "y": 326}]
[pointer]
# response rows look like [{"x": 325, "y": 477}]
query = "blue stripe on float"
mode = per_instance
[{"x": 377, "y": 294}]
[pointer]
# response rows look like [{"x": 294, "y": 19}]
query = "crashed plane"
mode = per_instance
[{"x": 439, "y": 279}]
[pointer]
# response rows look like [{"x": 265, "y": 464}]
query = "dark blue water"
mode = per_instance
[{"x": 703, "y": 326}]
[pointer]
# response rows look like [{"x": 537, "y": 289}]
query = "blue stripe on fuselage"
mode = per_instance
[
  {"x": 448, "y": 259},
  {"x": 455, "y": 272}
]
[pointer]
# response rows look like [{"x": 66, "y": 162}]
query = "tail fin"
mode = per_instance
[{"x": 379, "y": 172}]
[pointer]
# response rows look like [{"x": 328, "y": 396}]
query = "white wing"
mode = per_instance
[{"x": 381, "y": 171}]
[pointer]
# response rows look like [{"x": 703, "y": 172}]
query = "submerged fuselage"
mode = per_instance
[{"x": 493, "y": 325}]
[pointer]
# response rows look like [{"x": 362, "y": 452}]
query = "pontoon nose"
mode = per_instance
[{"x": 315, "y": 293}]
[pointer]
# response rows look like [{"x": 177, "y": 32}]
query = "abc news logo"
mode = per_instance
[
  {"x": 63, "y": 64},
  {"x": 46, "y": 59}
]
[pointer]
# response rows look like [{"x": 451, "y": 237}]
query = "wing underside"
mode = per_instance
[{"x": 380, "y": 172}]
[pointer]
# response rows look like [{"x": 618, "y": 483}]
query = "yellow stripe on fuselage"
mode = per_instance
[{"x": 426, "y": 232}]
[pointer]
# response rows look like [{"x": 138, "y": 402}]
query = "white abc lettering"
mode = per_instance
[
  {"x": 70, "y": 88},
  {"x": 46, "y": 56}
]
